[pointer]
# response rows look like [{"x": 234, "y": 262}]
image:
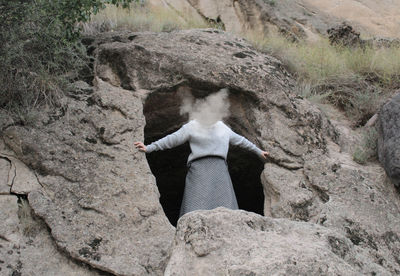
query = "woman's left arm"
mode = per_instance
[{"x": 238, "y": 140}]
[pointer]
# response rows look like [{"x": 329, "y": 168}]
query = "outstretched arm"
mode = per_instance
[
  {"x": 172, "y": 140},
  {"x": 238, "y": 140}
]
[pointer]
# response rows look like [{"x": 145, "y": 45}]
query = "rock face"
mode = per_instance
[
  {"x": 298, "y": 18},
  {"x": 389, "y": 138},
  {"x": 5, "y": 169},
  {"x": 26, "y": 247},
  {"x": 97, "y": 194},
  {"x": 252, "y": 15},
  {"x": 249, "y": 244},
  {"x": 99, "y": 198},
  {"x": 16, "y": 176}
]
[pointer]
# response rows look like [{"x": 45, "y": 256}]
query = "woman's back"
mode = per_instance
[{"x": 204, "y": 140}]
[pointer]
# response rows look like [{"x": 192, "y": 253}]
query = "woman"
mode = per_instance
[{"x": 208, "y": 184}]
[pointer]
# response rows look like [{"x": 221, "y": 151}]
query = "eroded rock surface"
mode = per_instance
[
  {"x": 98, "y": 197},
  {"x": 389, "y": 138},
  {"x": 5, "y": 167},
  {"x": 16, "y": 176},
  {"x": 26, "y": 247},
  {"x": 333, "y": 191},
  {"x": 249, "y": 244}
]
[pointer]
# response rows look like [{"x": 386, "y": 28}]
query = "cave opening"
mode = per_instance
[{"x": 162, "y": 115}]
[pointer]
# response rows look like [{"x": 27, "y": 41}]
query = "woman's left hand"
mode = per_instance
[
  {"x": 140, "y": 146},
  {"x": 265, "y": 154}
]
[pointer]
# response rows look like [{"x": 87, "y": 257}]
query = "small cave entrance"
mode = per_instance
[{"x": 162, "y": 115}]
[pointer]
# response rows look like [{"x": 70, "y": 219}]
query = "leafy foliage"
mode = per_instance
[
  {"x": 71, "y": 11},
  {"x": 40, "y": 50}
]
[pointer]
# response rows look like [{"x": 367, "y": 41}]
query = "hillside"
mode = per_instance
[
  {"x": 302, "y": 18},
  {"x": 77, "y": 197}
]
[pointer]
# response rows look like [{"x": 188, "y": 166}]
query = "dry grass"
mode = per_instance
[
  {"x": 27, "y": 221},
  {"x": 141, "y": 18},
  {"x": 319, "y": 61},
  {"x": 356, "y": 80},
  {"x": 312, "y": 62}
]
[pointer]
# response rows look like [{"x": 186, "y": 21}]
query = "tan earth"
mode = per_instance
[{"x": 378, "y": 18}]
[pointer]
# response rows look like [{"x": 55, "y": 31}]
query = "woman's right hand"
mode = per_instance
[{"x": 140, "y": 146}]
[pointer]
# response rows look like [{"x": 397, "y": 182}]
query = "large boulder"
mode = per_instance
[
  {"x": 96, "y": 192},
  {"x": 249, "y": 244},
  {"x": 389, "y": 138}
]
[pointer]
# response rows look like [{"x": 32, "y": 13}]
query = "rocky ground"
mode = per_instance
[{"x": 95, "y": 202}]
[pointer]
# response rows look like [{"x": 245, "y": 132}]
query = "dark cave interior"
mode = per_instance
[{"x": 169, "y": 167}]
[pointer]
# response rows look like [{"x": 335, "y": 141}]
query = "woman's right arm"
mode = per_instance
[{"x": 172, "y": 140}]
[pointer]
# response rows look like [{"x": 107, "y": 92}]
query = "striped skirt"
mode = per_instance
[{"x": 208, "y": 186}]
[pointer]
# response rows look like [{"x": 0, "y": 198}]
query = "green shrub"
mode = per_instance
[
  {"x": 35, "y": 56},
  {"x": 40, "y": 50}
]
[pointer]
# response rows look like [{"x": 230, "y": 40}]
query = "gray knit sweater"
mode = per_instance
[{"x": 212, "y": 140}]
